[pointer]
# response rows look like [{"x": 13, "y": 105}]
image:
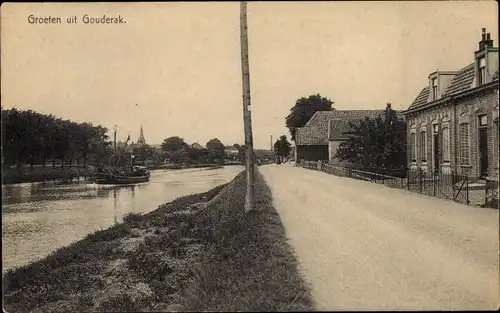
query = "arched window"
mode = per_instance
[{"x": 446, "y": 144}]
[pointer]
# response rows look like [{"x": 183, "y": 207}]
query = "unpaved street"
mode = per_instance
[{"x": 365, "y": 246}]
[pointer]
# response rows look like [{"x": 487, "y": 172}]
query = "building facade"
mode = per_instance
[
  {"x": 230, "y": 152},
  {"x": 453, "y": 122},
  {"x": 320, "y": 138}
]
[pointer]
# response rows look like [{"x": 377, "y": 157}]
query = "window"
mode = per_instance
[
  {"x": 482, "y": 71},
  {"x": 413, "y": 147},
  {"x": 446, "y": 144},
  {"x": 464, "y": 144},
  {"x": 497, "y": 137},
  {"x": 423, "y": 146},
  {"x": 483, "y": 120},
  {"x": 434, "y": 88}
]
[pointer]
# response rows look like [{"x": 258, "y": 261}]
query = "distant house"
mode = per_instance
[
  {"x": 320, "y": 138},
  {"x": 230, "y": 152},
  {"x": 453, "y": 122},
  {"x": 197, "y": 146}
]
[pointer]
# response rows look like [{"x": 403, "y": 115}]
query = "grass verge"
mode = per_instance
[{"x": 198, "y": 253}]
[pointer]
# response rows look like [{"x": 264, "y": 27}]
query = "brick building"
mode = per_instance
[
  {"x": 453, "y": 122},
  {"x": 320, "y": 138}
]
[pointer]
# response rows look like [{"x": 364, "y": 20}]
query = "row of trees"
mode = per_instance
[
  {"x": 178, "y": 151},
  {"x": 32, "y": 138},
  {"x": 376, "y": 142}
]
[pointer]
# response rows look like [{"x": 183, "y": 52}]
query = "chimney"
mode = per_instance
[
  {"x": 485, "y": 40},
  {"x": 488, "y": 42}
]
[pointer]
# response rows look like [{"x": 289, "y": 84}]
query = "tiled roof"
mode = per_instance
[
  {"x": 315, "y": 132},
  {"x": 339, "y": 128},
  {"x": 421, "y": 98},
  {"x": 340, "y": 125},
  {"x": 320, "y": 117},
  {"x": 462, "y": 81}
]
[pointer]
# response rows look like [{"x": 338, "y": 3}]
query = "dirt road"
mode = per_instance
[{"x": 363, "y": 246}]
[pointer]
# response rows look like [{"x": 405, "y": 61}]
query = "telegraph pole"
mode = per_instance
[
  {"x": 114, "y": 145},
  {"x": 245, "y": 70},
  {"x": 271, "y": 142}
]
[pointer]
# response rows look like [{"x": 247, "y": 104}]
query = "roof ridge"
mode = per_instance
[{"x": 316, "y": 113}]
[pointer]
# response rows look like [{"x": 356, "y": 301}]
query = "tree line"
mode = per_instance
[
  {"x": 33, "y": 138},
  {"x": 176, "y": 150}
]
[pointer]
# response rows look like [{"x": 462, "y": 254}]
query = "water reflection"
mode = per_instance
[
  {"x": 115, "y": 207},
  {"x": 41, "y": 217}
]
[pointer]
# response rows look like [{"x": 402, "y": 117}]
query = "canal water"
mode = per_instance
[{"x": 39, "y": 218}]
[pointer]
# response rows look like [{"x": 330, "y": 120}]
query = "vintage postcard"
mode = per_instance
[{"x": 250, "y": 156}]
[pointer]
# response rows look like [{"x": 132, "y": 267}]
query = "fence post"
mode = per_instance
[
  {"x": 420, "y": 178},
  {"x": 434, "y": 180},
  {"x": 408, "y": 172},
  {"x": 319, "y": 165},
  {"x": 467, "y": 188}
]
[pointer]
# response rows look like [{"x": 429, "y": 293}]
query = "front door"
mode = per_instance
[
  {"x": 483, "y": 152},
  {"x": 436, "y": 153}
]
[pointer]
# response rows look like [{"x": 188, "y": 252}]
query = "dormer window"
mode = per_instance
[
  {"x": 481, "y": 79},
  {"x": 434, "y": 88}
]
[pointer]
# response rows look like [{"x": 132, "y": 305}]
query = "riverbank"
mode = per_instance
[
  {"x": 38, "y": 174},
  {"x": 197, "y": 253}
]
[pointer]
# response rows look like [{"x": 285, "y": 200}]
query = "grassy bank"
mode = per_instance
[
  {"x": 39, "y": 174},
  {"x": 197, "y": 253}
]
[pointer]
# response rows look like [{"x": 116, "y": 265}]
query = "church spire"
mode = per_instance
[{"x": 141, "y": 139}]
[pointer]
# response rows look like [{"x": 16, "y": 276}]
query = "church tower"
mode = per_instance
[{"x": 141, "y": 140}]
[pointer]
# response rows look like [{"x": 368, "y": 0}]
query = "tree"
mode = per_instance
[
  {"x": 198, "y": 156},
  {"x": 282, "y": 147},
  {"x": 215, "y": 150},
  {"x": 304, "y": 109},
  {"x": 379, "y": 142},
  {"x": 143, "y": 152},
  {"x": 175, "y": 149},
  {"x": 173, "y": 144},
  {"x": 241, "y": 152}
]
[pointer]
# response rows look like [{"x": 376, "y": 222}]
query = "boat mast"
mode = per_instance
[{"x": 114, "y": 158}]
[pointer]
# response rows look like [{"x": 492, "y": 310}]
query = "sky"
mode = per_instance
[{"x": 175, "y": 67}]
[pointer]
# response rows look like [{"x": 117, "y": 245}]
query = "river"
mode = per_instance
[{"x": 39, "y": 218}]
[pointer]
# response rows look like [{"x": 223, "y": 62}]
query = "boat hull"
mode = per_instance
[{"x": 122, "y": 180}]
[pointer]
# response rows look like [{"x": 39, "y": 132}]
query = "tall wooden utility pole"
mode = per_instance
[
  {"x": 271, "y": 142},
  {"x": 247, "y": 118},
  {"x": 114, "y": 145}
]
